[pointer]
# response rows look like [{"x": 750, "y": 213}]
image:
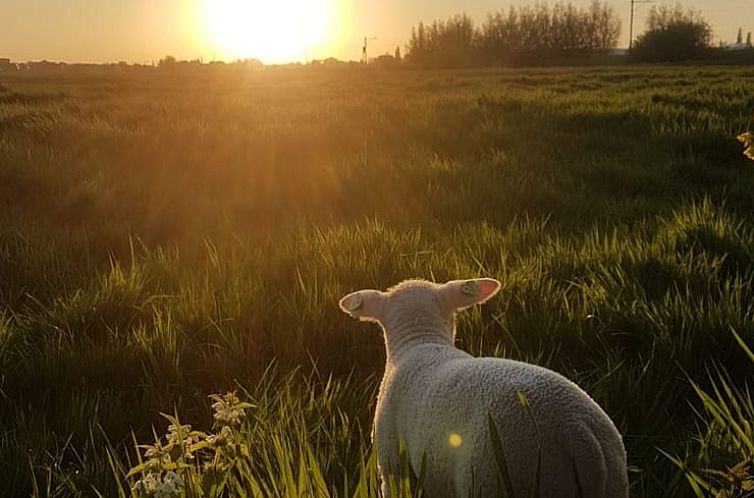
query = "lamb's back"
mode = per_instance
[
  {"x": 452, "y": 422},
  {"x": 470, "y": 388}
]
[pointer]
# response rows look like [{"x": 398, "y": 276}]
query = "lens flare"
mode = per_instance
[{"x": 455, "y": 440}]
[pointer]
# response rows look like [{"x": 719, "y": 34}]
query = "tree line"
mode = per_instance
[
  {"x": 673, "y": 34},
  {"x": 504, "y": 36}
]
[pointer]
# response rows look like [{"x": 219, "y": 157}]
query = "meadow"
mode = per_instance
[{"x": 165, "y": 236}]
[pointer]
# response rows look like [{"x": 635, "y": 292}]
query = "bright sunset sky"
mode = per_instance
[{"x": 273, "y": 31}]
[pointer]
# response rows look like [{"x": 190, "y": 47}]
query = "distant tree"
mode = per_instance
[
  {"x": 448, "y": 43},
  {"x": 418, "y": 49},
  {"x": 673, "y": 35},
  {"x": 252, "y": 63},
  {"x": 605, "y": 26},
  {"x": 525, "y": 32},
  {"x": 543, "y": 29},
  {"x": 397, "y": 54},
  {"x": 740, "y": 37},
  {"x": 167, "y": 62},
  {"x": 748, "y": 39}
]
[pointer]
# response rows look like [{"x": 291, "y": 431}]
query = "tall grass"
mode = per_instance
[
  {"x": 721, "y": 460},
  {"x": 163, "y": 239}
]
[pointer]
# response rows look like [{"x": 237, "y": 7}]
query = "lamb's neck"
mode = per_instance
[{"x": 400, "y": 339}]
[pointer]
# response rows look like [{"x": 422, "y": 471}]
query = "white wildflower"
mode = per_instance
[
  {"x": 147, "y": 484},
  {"x": 228, "y": 414},
  {"x": 228, "y": 409},
  {"x": 166, "y": 490},
  {"x": 176, "y": 434},
  {"x": 173, "y": 478}
]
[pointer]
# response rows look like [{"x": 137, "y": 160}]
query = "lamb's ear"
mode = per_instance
[
  {"x": 368, "y": 305},
  {"x": 460, "y": 294}
]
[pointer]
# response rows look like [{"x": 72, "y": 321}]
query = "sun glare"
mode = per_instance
[{"x": 270, "y": 30}]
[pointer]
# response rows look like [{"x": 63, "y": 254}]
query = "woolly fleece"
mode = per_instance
[{"x": 437, "y": 399}]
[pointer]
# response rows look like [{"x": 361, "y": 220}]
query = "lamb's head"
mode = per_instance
[{"x": 419, "y": 305}]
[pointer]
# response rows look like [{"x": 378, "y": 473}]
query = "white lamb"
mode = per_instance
[{"x": 439, "y": 401}]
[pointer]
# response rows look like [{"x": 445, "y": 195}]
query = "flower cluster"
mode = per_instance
[
  {"x": 229, "y": 410},
  {"x": 221, "y": 438},
  {"x": 160, "y": 487},
  {"x": 169, "y": 463}
]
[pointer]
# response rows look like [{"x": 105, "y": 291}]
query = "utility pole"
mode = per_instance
[
  {"x": 634, "y": 3},
  {"x": 364, "y": 48}
]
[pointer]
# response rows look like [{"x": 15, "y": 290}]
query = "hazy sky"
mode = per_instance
[{"x": 146, "y": 30}]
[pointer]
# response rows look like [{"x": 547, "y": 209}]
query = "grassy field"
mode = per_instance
[{"x": 168, "y": 236}]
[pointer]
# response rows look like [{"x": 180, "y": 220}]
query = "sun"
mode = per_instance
[{"x": 270, "y": 30}]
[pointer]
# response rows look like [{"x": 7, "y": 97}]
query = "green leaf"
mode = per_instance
[{"x": 504, "y": 479}]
